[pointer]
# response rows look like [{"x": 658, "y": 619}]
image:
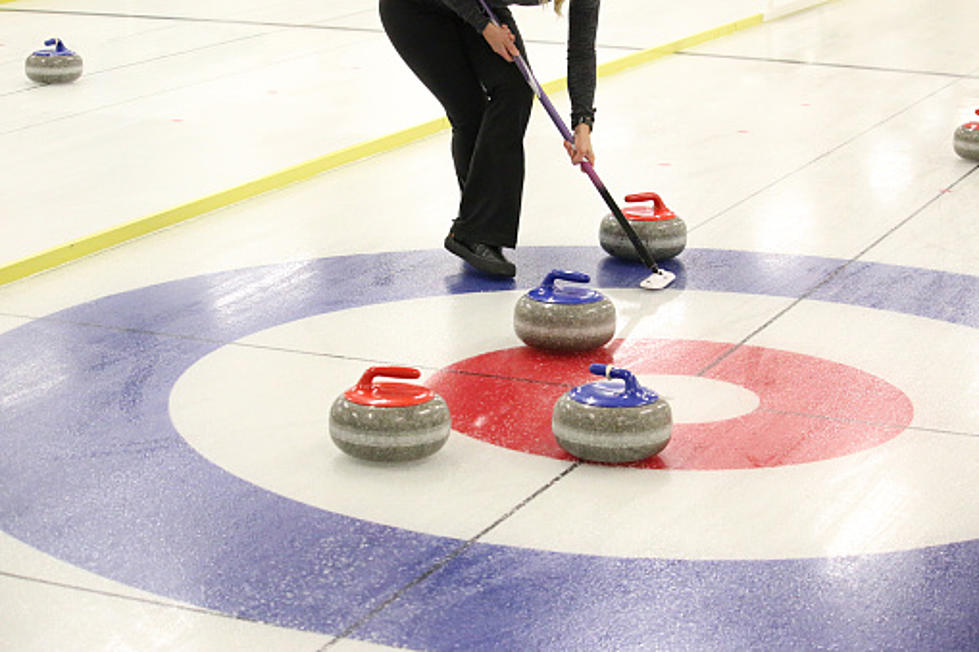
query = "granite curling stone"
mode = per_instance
[
  {"x": 660, "y": 230},
  {"x": 389, "y": 422},
  {"x": 613, "y": 421},
  {"x": 967, "y": 140},
  {"x": 564, "y": 318},
  {"x": 57, "y": 65}
]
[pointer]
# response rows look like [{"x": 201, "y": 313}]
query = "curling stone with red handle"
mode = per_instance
[
  {"x": 967, "y": 140},
  {"x": 57, "y": 65},
  {"x": 615, "y": 420},
  {"x": 659, "y": 228},
  {"x": 389, "y": 422},
  {"x": 561, "y": 317}
]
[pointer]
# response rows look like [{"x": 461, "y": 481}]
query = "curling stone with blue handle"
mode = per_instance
[
  {"x": 564, "y": 317},
  {"x": 967, "y": 140},
  {"x": 660, "y": 230},
  {"x": 57, "y": 65},
  {"x": 615, "y": 421},
  {"x": 389, "y": 422}
]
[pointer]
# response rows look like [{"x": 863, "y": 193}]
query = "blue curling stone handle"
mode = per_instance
[
  {"x": 59, "y": 49},
  {"x": 613, "y": 393},
  {"x": 548, "y": 292}
]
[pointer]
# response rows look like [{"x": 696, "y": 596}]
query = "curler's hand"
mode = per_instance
[
  {"x": 502, "y": 40},
  {"x": 581, "y": 149}
]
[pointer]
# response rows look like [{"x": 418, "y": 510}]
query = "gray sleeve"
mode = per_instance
[
  {"x": 469, "y": 11},
  {"x": 582, "y": 28}
]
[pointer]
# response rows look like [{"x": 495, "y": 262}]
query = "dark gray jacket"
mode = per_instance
[{"x": 582, "y": 27}]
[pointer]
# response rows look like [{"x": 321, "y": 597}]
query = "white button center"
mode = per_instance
[{"x": 694, "y": 399}]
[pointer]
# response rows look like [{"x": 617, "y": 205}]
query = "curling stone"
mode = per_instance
[
  {"x": 659, "y": 228},
  {"x": 612, "y": 420},
  {"x": 389, "y": 422},
  {"x": 57, "y": 65},
  {"x": 564, "y": 318},
  {"x": 967, "y": 140}
]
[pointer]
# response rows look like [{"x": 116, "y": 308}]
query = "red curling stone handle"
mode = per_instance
[
  {"x": 646, "y": 196},
  {"x": 367, "y": 380}
]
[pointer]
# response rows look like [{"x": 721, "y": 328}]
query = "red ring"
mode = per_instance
[{"x": 810, "y": 409}]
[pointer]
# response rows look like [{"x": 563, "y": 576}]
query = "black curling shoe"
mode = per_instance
[{"x": 484, "y": 257}]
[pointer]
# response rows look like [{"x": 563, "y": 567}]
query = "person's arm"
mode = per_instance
[{"x": 582, "y": 30}]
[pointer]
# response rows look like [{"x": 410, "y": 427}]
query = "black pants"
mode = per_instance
[{"x": 488, "y": 105}]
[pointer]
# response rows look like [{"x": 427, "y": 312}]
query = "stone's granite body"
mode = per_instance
[
  {"x": 390, "y": 434},
  {"x": 663, "y": 238},
  {"x": 564, "y": 327},
  {"x": 612, "y": 434},
  {"x": 967, "y": 141}
]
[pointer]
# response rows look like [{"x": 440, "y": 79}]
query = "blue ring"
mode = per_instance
[{"x": 85, "y": 395}]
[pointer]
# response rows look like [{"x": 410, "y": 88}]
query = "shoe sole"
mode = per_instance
[{"x": 507, "y": 271}]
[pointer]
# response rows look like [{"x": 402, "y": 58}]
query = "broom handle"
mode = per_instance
[{"x": 586, "y": 166}]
